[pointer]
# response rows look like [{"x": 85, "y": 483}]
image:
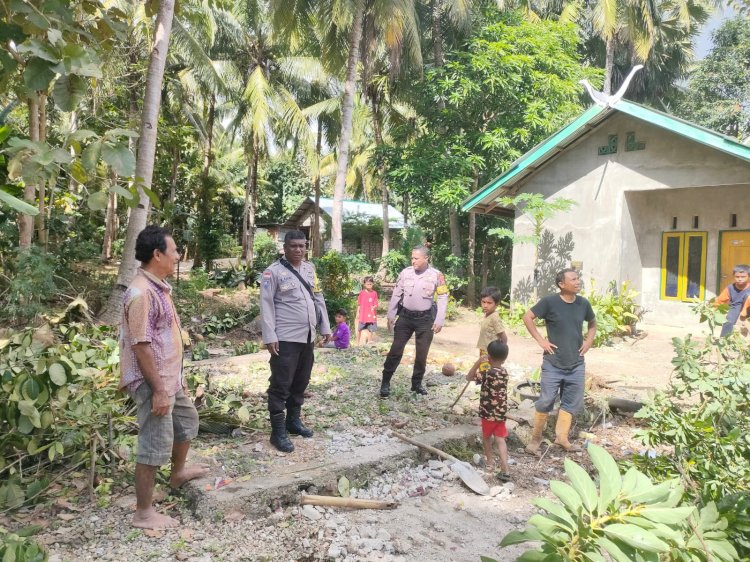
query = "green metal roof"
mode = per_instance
[{"x": 482, "y": 199}]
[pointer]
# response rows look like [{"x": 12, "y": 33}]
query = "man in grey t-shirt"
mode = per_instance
[{"x": 563, "y": 367}]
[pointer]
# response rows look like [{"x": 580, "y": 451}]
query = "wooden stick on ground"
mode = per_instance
[
  {"x": 462, "y": 393},
  {"x": 353, "y": 503}
]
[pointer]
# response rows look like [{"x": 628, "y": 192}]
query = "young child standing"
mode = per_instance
[
  {"x": 737, "y": 296},
  {"x": 492, "y": 327},
  {"x": 340, "y": 337},
  {"x": 493, "y": 404},
  {"x": 367, "y": 312}
]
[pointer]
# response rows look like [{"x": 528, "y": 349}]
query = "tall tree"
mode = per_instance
[{"x": 112, "y": 312}]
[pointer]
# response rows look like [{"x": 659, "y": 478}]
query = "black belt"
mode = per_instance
[{"x": 415, "y": 313}]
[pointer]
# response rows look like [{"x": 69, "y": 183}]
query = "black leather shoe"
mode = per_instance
[
  {"x": 279, "y": 436},
  {"x": 385, "y": 390},
  {"x": 418, "y": 389},
  {"x": 294, "y": 423}
]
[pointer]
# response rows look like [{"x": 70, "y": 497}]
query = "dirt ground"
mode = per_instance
[{"x": 447, "y": 522}]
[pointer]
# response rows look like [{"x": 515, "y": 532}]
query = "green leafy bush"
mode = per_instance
[
  {"x": 265, "y": 252},
  {"x": 337, "y": 284},
  {"x": 616, "y": 311},
  {"x": 18, "y": 547},
  {"x": 703, "y": 420},
  {"x": 60, "y": 393},
  {"x": 247, "y": 347},
  {"x": 623, "y": 518},
  {"x": 358, "y": 264},
  {"x": 392, "y": 263},
  {"x": 29, "y": 283}
]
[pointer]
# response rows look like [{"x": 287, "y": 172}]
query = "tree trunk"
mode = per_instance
[
  {"x": 437, "y": 35},
  {"x": 41, "y": 218},
  {"x": 378, "y": 133},
  {"x": 144, "y": 167},
  {"x": 208, "y": 157},
  {"x": 455, "y": 232},
  {"x": 248, "y": 191},
  {"x": 173, "y": 179},
  {"x": 609, "y": 65},
  {"x": 485, "y": 264},
  {"x": 347, "y": 110},
  {"x": 110, "y": 223},
  {"x": 73, "y": 185},
  {"x": 26, "y": 222},
  {"x": 471, "y": 287},
  {"x": 317, "y": 238},
  {"x": 253, "y": 203}
]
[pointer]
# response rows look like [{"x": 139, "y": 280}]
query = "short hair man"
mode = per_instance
[
  {"x": 292, "y": 308},
  {"x": 563, "y": 368},
  {"x": 151, "y": 350},
  {"x": 413, "y": 300}
]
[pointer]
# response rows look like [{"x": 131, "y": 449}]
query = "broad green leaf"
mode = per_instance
[
  {"x": 90, "y": 156},
  {"x": 610, "y": 481},
  {"x": 532, "y": 556},
  {"x": 31, "y": 389},
  {"x": 343, "y": 487},
  {"x": 18, "y": 204},
  {"x": 594, "y": 557},
  {"x": 81, "y": 134},
  {"x": 78, "y": 172},
  {"x": 657, "y": 493},
  {"x": 97, "y": 201},
  {"x": 547, "y": 525},
  {"x": 114, "y": 133},
  {"x": 668, "y": 515},
  {"x": 518, "y": 537},
  {"x": 57, "y": 374},
  {"x": 121, "y": 191},
  {"x": 38, "y": 74},
  {"x": 614, "y": 550},
  {"x": 567, "y": 495},
  {"x": 120, "y": 158},
  {"x": 582, "y": 484},
  {"x": 68, "y": 91},
  {"x": 25, "y": 424},
  {"x": 636, "y": 537},
  {"x": 555, "y": 509},
  {"x": 11, "y": 495},
  {"x": 243, "y": 414},
  {"x": 26, "y": 407}
]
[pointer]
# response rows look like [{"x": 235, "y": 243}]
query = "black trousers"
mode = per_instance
[
  {"x": 290, "y": 375},
  {"x": 422, "y": 329}
]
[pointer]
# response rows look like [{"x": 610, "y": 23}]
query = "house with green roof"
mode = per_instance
[{"x": 662, "y": 204}]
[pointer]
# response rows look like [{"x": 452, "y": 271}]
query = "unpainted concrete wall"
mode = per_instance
[{"x": 626, "y": 200}]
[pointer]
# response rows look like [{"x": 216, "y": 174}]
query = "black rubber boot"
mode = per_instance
[
  {"x": 294, "y": 424},
  {"x": 385, "y": 387},
  {"x": 417, "y": 388},
  {"x": 279, "y": 437}
]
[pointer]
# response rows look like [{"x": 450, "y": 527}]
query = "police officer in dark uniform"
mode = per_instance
[
  {"x": 413, "y": 301},
  {"x": 292, "y": 308}
]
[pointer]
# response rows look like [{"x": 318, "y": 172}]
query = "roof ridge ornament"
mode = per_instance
[{"x": 603, "y": 100}]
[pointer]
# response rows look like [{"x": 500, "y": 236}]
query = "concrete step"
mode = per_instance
[{"x": 256, "y": 497}]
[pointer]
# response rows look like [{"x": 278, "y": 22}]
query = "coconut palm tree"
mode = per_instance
[{"x": 144, "y": 167}]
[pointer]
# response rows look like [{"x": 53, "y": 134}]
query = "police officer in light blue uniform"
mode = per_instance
[
  {"x": 419, "y": 313},
  {"x": 292, "y": 309}
]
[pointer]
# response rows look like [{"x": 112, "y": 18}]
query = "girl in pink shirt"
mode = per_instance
[{"x": 367, "y": 312}]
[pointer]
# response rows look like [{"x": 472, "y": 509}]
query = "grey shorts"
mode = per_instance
[
  {"x": 372, "y": 326},
  {"x": 568, "y": 384},
  {"x": 157, "y": 434}
]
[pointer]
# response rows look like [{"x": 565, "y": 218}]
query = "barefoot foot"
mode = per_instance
[
  {"x": 190, "y": 472},
  {"x": 150, "y": 519}
]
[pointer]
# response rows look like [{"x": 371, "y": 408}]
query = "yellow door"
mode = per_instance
[{"x": 735, "y": 249}]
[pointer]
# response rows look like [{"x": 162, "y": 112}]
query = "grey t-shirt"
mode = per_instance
[{"x": 564, "y": 322}]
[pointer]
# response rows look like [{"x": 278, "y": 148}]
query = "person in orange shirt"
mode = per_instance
[{"x": 736, "y": 296}]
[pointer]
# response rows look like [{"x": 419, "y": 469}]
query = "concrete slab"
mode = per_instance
[{"x": 255, "y": 497}]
